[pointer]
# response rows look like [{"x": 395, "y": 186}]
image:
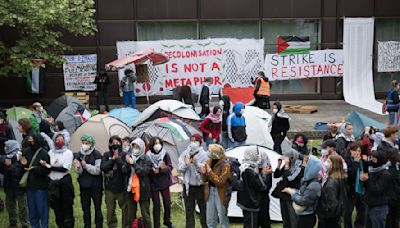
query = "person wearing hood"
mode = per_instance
[
  {"x": 12, "y": 170},
  {"x": 300, "y": 144},
  {"x": 138, "y": 166},
  {"x": 59, "y": 128},
  {"x": 126, "y": 145},
  {"x": 306, "y": 198},
  {"x": 328, "y": 149},
  {"x": 189, "y": 164},
  {"x": 377, "y": 184},
  {"x": 393, "y": 218},
  {"x": 6, "y": 132},
  {"x": 216, "y": 174},
  {"x": 225, "y": 104},
  {"x": 115, "y": 182},
  {"x": 47, "y": 134},
  {"x": 344, "y": 139},
  {"x": 367, "y": 141},
  {"x": 279, "y": 126},
  {"x": 205, "y": 97},
  {"x": 393, "y": 102},
  {"x": 252, "y": 186},
  {"x": 264, "y": 165},
  {"x": 390, "y": 139},
  {"x": 87, "y": 165},
  {"x": 211, "y": 126},
  {"x": 25, "y": 127},
  {"x": 61, "y": 190},
  {"x": 236, "y": 124},
  {"x": 292, "y": 172},
  {"x": 262, "y": 91},
  {"x": 160, "y": 180},
  {"x": 37, "y": 184}
]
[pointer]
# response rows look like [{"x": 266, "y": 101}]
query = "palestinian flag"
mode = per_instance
[
  {"x": 293, "y": 45},
  {"x": 177, "y": 128},
  {"x": 35, "y": 80}
]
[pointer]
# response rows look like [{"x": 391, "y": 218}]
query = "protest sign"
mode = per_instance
[
  {"x": 230, "y": 62},
  {"x": 389, "y": 56},
  {"x": 320, "y": 63},
  {"x": 80, "y": 72}
]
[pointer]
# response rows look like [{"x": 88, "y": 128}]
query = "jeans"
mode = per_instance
[
  {"x": 196, "y": 193},
  {"x": 111, "y": 199},
  {"x": 289, "y": 216},
  {"x": 129, "y": 99},
  {"x": 14, "y": 199},
  {"x": 38, "y": 206},
  {"x": 393, "y": 118},
  {"x": 87, "y": 195},
  {"x": 376, "y": 216},
  {"x": 155, "y": 196},
  {"x": 306, "y": 221},
  {"x": 349, "y": 205},
  {"x": 102, "y": 95},
  {"x": 216, "y": 211},
  {"x": 144, "y": 209}
]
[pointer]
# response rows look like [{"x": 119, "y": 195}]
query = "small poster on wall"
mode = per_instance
[
  {"x": 389, "y": 56},
  {"x": 80, "y": 72}
]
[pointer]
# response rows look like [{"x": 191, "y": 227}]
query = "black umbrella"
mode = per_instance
[{"x": 61, "y": 103}]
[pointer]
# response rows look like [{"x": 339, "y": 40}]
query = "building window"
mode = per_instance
[
  {"x": 167, "y": 30},
  {"x": 229, "y": 29},
  {"x": 298, "y": 27}
]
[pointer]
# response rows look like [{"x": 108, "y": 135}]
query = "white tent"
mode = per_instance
[
  {"x": 101, "y": 127},
  {"x": 257, "y": 127},
  {"x": 274, "y": 207},
  {"x": 167, "y": 108}
]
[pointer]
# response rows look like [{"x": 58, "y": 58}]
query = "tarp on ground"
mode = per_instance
[
  {"x": 361, "y": 121},
  {"x": 168, "y": 108},
  {"x": 257, "y": 127},
  {"x": 101, "y": 127},
  {"x": 60, "y": 103},
  {"x": 16, "y": 113},
  {"x": 69, "y": 118},
  {"x": 274, "y": 209},
  {"x": 174, "y": 132},
  {"x": 127, "y": 115}
]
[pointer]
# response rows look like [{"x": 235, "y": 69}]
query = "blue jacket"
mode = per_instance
[
  {"x": 392, "y": 98},
  {"x": 236, "y": 124}
]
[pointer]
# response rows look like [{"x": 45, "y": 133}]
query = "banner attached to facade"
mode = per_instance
[
  {"x": 389, "y": 56},
  {"x": 230, "y": 62},
  {"x": 80, "y": 72},
  {"x": 319, "y": 63}
]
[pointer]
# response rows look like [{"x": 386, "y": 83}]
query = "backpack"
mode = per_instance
[
  {"x": 234, "y": 181},
  {"x": 138, "y": 223}
]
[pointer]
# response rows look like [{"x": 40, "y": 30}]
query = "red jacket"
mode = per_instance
[{"x": 207, "y": 127}]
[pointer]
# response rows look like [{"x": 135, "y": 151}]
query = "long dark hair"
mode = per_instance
[{"x": 153, "y": 142}]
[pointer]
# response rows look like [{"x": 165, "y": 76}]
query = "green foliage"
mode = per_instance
[{"x": 38, "y": 23}]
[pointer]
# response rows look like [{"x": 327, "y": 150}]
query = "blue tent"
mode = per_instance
[
  {"x": 126, "y": 115},
  {"x": 361, "y": 121}
]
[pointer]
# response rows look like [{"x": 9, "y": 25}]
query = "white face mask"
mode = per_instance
[
  {"x": 135, "y": 151},
  {"x": 126, "y": 148},
  {"x": 324, "y": 152},
  {"x": 242, "y": 111},
  {"x": 1, "y": 121},
  {"x": 275, "y": 110},
  {"x": 85, "y": 147},
  {"x": 157, "y": 147},
  {"x": 221, "y": 103},
  {"x": 194, "y": 146}
]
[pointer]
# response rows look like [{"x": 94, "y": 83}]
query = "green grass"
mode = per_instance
[{"x": 177, "y": 216}]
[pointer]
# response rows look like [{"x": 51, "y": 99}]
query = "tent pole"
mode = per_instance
[{"x": 147, "y": 94}]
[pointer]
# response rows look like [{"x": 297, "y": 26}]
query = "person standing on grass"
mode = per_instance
[
  {"x": 205, "y": 97},
  {"x": 87, "y": 166},
  {"x": 6, "y": 132},
  {"x": 127, "y": 87},
  {"x": 332, "y": 134},
  {"x": 263, "y": 214},
  {"x": 126, "y": 145},
  {"x": 211, "y": 126},
  {"x": 61, "y": 190},
  {"x": 102, "y": 81},
  {"x": 189, "y": 164},
  {"x": 393, "y": 218},
  {"x": 279, "y": 126},
  {"x": 59, "y": 128},
  {"x": 12, "y": 170},
  {"x": 393, "y": 102},
  {"x": 25, "y": 127},
  {"x": 236, "y": 124},
  {"x": 344, "y": 139},
  {"x": 160, "y": 180},
  {"x": 390, "y": 139}
]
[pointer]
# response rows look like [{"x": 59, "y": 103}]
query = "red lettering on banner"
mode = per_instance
[
  {"x": 274, "y": 72},
  {"x": 215, "y": 65},
  {"x": 217, "y": 80},
  {"x": 168, "y": 83},
  {"x": 339, "y": 69},
  {"x": 189, "y": 82},
  {"x": 313, "y": 69},
  {"x": 196, "y": 81},
  {"x": 293, "y": 72},
  {"x": 307, "y": 70},
  {"x": 284, "y": 72},
  {"x": 326, "y": 69},
  {"x": 202, "y": 80},
  {"x": 176, "y": 80},
  {"x": 320, "y": 70}
]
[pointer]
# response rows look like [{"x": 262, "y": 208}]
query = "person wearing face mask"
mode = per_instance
[
  {"x": 160, "y": 180},
  {"x": 328, "y": 149},
  {"x": 87, "y": 165},
  {"x": 216, "y": 174},
  {"x": 225, "y": 104},
  {"x": 236, "y": 124},
  {"x": 393, "y": 102},
  {"x": 115, "y": 182},
  {"x": 205, "y": 97},
  {"x": 61, "y": 190},
  {"x": 37, "y": 184},
  {"x": 377, "y": 184},
  {"x": 333, "y": 196},
  {"x": 59, "y": 128},
  {"x": 126, "y": 145},
  {"x": 279, "y": 126},
  {"x": 357, "y": 167},
  {"x": 262, "y": 91},
  {"x": 211, "y": 126},
  {"x": 12, "y": 170},
  {"x": 25, "y": 127},
  {"x": 300, "y": 144},
  {"x": 189, "y": 164},
  {"x": 127, "y": 88},
  {"x": 344, "y": 139},
  {"x": 6, "y": 132},
  {"x": 138, "y": 167}
]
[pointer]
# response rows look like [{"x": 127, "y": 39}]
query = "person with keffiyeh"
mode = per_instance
[
  {"x": 279, "y": 126},
  {"x": 211, "y": 126},
  {"x": 344, "y": 139},
  {"x": 160, "y": 180}
]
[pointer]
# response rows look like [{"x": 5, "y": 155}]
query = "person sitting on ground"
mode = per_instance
[
  {"x": 344, "y": 139},
  {"x": 211, "y": 126},
  {"x": 332, "y": 134},
  {"x": 279, "y": 126},
  {"x": 236, "y": 124},
  {"x": 205, "y": 97}
]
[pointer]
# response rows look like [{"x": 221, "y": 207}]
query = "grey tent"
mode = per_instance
[
  {"x": 174, "y": 132},
  {"x": 69, "y": 118},
  {"x": 59, "y": 104}
]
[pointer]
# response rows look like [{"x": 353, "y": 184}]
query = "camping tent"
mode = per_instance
[
  {"x": 361, "y": 121},
  {"x": 175, "y": 133},
  {"x": 274, "y": 208},
  {"x": 127, "y": 115},
  {"x": 257, "y": 127},
  {"x": 59, "y": 104},
  {"x": 16, "y": 113},
  {"x": 69, "y": 118},
  {"x": 168, "y": 108},
  {"x": 101, "y": 127}
]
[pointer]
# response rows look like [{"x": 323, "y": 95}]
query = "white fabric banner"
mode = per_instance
[
  {"x": 80, "y": 72},
  {"x": 389, "y": 56},
  {"x": 320, "y": 63},
  {"x": 358, "y": 84},
  {"x": 230, "y": 62}
]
